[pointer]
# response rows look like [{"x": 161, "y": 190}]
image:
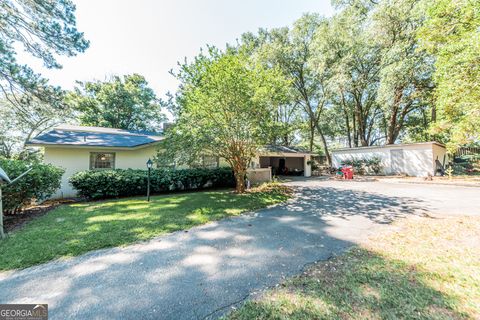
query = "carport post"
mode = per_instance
[{"x": 307, "y": 168}]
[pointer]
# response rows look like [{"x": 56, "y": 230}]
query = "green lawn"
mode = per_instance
[
  {"x": 423, "y": 269},
  {"x": 74, "y": 229}
]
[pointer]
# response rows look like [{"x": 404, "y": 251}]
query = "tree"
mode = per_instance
[
  {"x": 25, "y": 120},
  {"x": 45, "y": 29},
  {"x": 381, "y": 78},
  {"x": 122, "y": 102},
  {"x": 451, "y": 33},
  {"x": 288, "y": 117},
  {"x": 353, "y": 60},
  {"x": 406, "y": 70},
  {"x": 224, "y": 109},
  {"x": 291, "y": 51}
]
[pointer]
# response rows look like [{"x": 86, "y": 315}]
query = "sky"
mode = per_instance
[{"x": 149, "y": 37}]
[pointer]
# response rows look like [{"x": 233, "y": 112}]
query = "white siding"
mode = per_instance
[
  {"x": 338, "y": 157},
  {"x": 418, "y": 159}
]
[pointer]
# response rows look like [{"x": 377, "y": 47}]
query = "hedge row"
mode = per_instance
[
  {"x": 118, "y": 183},
  {"x": 39, "y": 184}
]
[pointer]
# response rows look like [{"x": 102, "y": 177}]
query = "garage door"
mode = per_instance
[{"x": 397, "y": 160}]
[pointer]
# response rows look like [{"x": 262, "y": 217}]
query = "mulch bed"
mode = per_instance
[{"x": 16, "y": 221}]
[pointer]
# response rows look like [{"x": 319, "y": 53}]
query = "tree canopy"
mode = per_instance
[
  {"x": 122, "y": 102},
  {"x": 376, "y": 72},
  {"x": 451, "y": 32},
  {"x": 20, "y": 123},
  {"x": 223, "y": 109},
  {"x": 44, "y": 29}
]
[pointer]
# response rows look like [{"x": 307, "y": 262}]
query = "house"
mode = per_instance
[
  {"x": 413, "y": 159},
  {"x": 80, "y": 148}
]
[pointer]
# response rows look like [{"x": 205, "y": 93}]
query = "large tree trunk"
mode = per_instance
[
  {"x": 312, "y": 135},
  {"x": 240, "y": 181},
  {"x": 394, "y": 126},
  {"x": 355, "y": 131},
  {"x": 347, "y": 124},
  {"x": 325, "y": 146},
  {"x": 347, "y": 120}
]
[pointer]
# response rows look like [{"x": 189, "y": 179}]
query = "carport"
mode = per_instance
[{"x": 282, "y": 160}]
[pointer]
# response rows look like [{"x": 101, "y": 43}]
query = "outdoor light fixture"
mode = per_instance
[{"x": 149, "y": 166}]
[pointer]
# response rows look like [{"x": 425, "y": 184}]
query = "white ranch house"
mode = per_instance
[{"x": 80, "y": 148}]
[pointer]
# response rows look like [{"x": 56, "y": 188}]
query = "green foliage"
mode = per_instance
[
  {"x": 37, "y": 185},
  {"x": 24, "y": 120},
  {"x": 451, "y": 33},
  {"x": 466, "y": 165},
  {"x": 223, "y": 109},
  {"x": 365, "y": 165},
  {"x": 123, "y": 103},
  {"x": 406, "y": 69},
  {"x": 291, "y": 50},
  {"x": 352, "y": 58},
  {"x": 121, "y": 183},
  {"x": 44, "y": 29}
]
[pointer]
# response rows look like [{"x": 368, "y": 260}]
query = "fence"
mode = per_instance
[{"x": 464, "y": 151}]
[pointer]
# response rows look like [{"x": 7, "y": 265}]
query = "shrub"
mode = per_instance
[
  {"x": 374, "y": 165},
  {"x": 118, "y": 183},
  {"x": 272, "y": 187},
  {"x": 365, "y": 165},
  {"x": 466, "y": 165},
  {"x": 39, "y": 184}
]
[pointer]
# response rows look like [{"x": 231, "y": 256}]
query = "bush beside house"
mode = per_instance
[
  {"x": 118, "y": 183},
  {"x": 39, "y": 184}
]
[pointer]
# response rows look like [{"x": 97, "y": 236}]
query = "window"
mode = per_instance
[{"x": 102, "y": 160}]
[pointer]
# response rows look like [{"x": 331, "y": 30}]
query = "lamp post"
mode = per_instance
[{"x": 149, "y": 166}]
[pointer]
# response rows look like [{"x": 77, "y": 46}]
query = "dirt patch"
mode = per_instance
[{"x": 16, "y": 221}]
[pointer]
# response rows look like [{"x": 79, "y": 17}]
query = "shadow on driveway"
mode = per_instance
[{"x": 202, "y": 272}]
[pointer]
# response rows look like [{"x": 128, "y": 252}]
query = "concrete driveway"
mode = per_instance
[{"x": 202, "y": 273}]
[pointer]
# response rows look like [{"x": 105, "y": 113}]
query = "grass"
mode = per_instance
[
  {"x": 422, "y": 268},
  {"x": 71, "y": 230}
]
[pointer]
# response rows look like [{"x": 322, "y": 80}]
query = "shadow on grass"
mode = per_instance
[
  {"x": 74, "y": 229},
  {"x": 358, "y": 285}
]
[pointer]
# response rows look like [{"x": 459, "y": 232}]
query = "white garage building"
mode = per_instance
[{"x": 413, "y": 159}]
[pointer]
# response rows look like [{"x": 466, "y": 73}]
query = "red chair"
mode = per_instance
[{"x": 347, "y": 172}]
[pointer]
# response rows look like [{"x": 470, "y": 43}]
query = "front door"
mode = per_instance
[{"x": 397, "y": 161}]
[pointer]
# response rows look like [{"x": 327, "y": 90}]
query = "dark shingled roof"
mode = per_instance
[{"x": 95, "y": 137}]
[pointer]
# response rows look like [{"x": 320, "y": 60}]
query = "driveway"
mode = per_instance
[{"x": 202, "y": 273}]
